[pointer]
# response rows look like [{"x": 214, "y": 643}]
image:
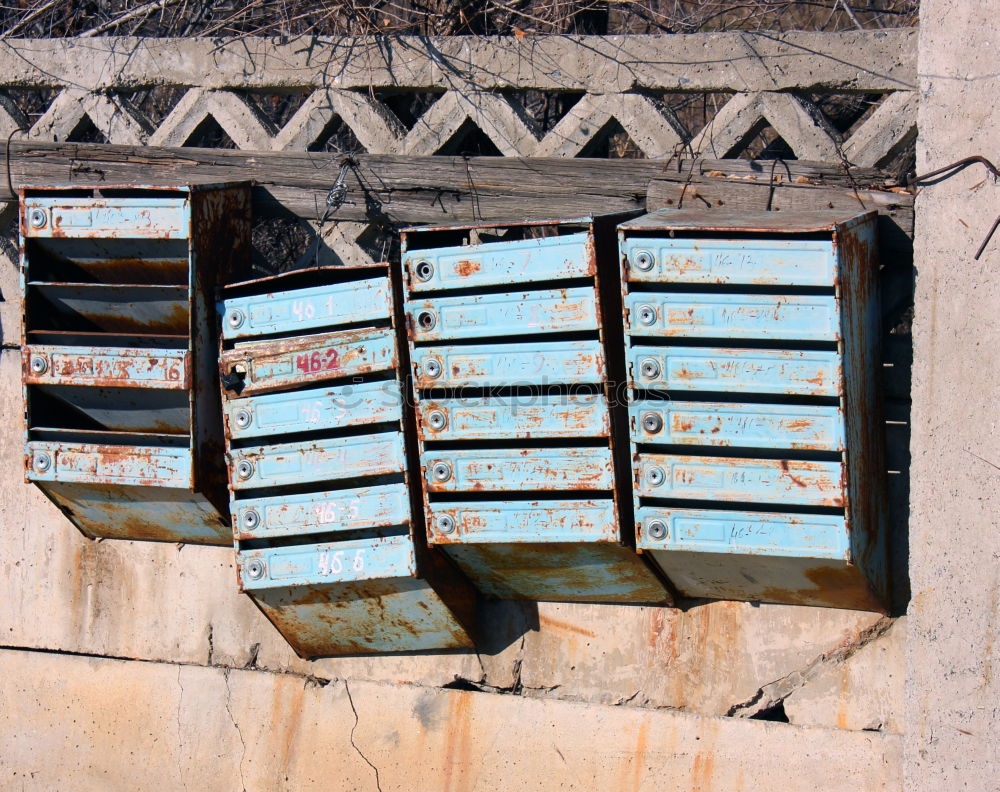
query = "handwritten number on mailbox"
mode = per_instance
[
  {"x": 333, "y": 563},
  {"x": 309, "y": 364}
]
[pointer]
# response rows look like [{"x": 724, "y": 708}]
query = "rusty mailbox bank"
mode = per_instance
[
  {"x": 512, "y": 386},
  {"x": 752, "y": 342},
  {"x": 120, "y": 383},
  {"x": 329, "y": 544}
]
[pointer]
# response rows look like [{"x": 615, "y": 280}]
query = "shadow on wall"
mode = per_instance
[{"x": 897, "y": 290}]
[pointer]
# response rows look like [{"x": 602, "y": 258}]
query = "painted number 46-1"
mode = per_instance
[{"x": 333, "y": 563}]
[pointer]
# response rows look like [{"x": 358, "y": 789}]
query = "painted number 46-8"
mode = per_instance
[{"x": 332, "y": 563}]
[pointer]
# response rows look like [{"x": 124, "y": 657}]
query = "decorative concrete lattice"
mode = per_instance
[{"x": 102, "y": 89}]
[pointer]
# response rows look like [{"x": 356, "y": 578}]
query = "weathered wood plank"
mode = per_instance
[
  {"x": 397, "y": 190},
  {"x": 857, "y": 61},
  {"x": 735, "y": 193}
]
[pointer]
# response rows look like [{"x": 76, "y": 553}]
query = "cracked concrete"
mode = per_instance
[{"x": 298, "y": 735}]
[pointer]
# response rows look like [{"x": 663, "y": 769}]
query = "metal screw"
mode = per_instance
[
  {"x": 644, "y": 260},
  {"x": 656, "y": 529},
  {"x": 441, "y": 471},
  {"x": 42, "y": 462},
  {"x": 236, "y": 318},
  {"x": 426, "y": 320},
  {"x": 39, "y": 364},
  {"x": 37, "y": 218},
  {"x": 655, "y": 476},
  {"x": 251, "y": 519},
  {"x": 242, "y": 418},
  {"x": 647, "y": 314},
  {"x": 649, "y": 368},
  {"x": 424, "y": 270},
  {"x": 244, "y": 469},
  {"x": 255, "y": 569},
  {"x": 432, "y": 368},
  {"x": 446, "y": 524},
  {"x": 436, "y": 420},
  {"x": 652, "y": 422}
]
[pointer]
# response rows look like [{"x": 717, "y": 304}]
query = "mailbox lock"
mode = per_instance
[
  {"x": 647, "y": 314},
  {"x": 37, "y": 218},
  {"x": 236, "y": 318},
  {"x": 243, "y": 418},
  {"x": 655, "y": 476},
  {"x": 426, "y": 320},
  {"x": 244, "y": 469},
  {"x": 436, "y": 420},
  {"x": 652, "y": 422},
  {"x": 643, "y": 260},
  {"x": 446, "y": 524},
  {"x": 432, "y": 368},
  {"x": 251, "y": 519},
  {"x": 656, "y": 529},
  {"x": 42, "y": 462},
  {"x": 441, "y": 471},
  {"x": 38, "y": 364},
  {"x": 650, "y": 368},
  {"x": 255, "y": 569},
  {"x": 424, "y": 270}
]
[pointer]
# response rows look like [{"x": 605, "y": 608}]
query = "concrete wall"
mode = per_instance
[{"x": 952, "y": 684}]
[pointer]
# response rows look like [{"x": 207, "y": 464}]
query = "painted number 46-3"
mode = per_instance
[{"x": 332, "y": 563}]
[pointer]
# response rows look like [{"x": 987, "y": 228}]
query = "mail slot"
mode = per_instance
[
  {"x": 119, "y": 354},
  {"x": 755, "y": 422},
  {"x": 514, "y": 390},
  {"x": 329, "y": 535}
]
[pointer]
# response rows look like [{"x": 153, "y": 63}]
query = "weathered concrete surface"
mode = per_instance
[
  {"x": 10, "y": 292},
  {"x": 96, "y": 724},
  {"x": 733, "y": 61},
  {"x": 861, "y": 691},
  {"x": 712, "y": 658},
  {"x": 953, "y": 681}
]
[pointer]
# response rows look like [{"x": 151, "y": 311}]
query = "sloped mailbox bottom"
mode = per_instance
[
  {"x": 509, "y": 330},
  {"x": 357, "y": 597},
  {"x": 320, "y": 454},
  {"x": 756, "y": 420}
]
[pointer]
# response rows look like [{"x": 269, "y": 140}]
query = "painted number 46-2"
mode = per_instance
[
  {"x": 327, "y": 360},
  {"x": 333, "y": 563}
]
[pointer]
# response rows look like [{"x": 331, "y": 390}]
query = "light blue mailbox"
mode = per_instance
[
  {"x": 326, "y": 541},
  {"x": 752, "y": 348},
  {"x": 509, "y": 342}
]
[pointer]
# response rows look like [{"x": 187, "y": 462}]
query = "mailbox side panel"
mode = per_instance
[{"x": 867, "y": 506}]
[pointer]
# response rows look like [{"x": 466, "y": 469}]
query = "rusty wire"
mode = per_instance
[{"x": 945, "y": 172}]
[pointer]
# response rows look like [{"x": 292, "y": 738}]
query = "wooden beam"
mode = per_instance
[{"x": 397, "y": 190}]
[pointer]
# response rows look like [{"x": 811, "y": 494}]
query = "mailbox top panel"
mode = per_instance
[
  {"x": 411, "y": 232},
  {"x": 110, "y": 211},
  {"x": 502, "y": 262},
  {"x": 789, "y": 222},
  {"x": 301, "y": 310}
]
